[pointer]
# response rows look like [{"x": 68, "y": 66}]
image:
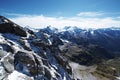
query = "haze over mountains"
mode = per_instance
[
  {"x": 52, "y": 54},
  {"x": 61, "y": 21}
]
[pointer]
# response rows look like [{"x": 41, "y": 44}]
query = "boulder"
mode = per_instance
[
  {"x": 3, "y": 73},
  {"x": 8, "y": 63},
  {"x": 28, "y": 63}
]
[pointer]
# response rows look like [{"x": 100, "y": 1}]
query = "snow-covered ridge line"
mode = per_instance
[{"x": 70, "y": 28}]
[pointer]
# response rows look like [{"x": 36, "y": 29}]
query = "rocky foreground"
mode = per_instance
[{"x": 50, "y": 55}]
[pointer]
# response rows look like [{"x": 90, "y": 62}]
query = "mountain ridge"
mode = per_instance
[{"x": 48, "y": 54}]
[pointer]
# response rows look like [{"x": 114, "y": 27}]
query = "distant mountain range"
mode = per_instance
[{"x": 51, "y": 54}]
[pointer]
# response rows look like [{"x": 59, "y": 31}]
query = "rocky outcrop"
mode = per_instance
[
  {"x": 31, "y": 57},
  {"x": 10, "y": 27},
  {"x": 28, "y": 60}
]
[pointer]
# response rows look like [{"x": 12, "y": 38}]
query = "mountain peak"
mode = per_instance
[
  {"x": 3, "y": 20},
  {"x": 7, "y": 26}
]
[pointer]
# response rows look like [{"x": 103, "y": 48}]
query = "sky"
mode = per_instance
[{"x": 60, "y": 13}]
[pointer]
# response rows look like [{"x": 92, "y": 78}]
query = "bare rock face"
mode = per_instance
[
  {"x": 8, "y": 26},
  {"x": 24, "y": 59},
  {"x": 8, "y": 63}
]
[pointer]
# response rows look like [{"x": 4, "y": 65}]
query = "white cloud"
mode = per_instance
[
  {"x": 40, "y": 21},
  {"x": 90, "y": 14}
]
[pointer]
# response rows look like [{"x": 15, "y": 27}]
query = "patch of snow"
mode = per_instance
[
  {"x": 118, "y": 78},
  {"x": 54, "y": 66},
  {"x": 1, "y": 39},
  {"x": 52, "y": 71},
  {"x": 2, "y": 60},
  {"x": 92, "y": 32},
  {"x": 19, "y": 76},
  {"x": 1, "y": 48},
  {"x": 26, "y": 43},
  {"x": 49, "y": 41},
  {"x": 63, "y": 40},
  {"x": 47, "y": 35},
  {"x": 64, "y": 77},
  {"x": 16, "y": 48},
  {"x": 6, "y": 21},
  {"x": 3, "y": 21},
  {"x": 2, "y": 72},
  {"x": 82, "y": 72}
]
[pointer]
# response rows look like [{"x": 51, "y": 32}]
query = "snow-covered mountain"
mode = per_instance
[
  {"x": 109, "y": 38},
  {"x": 50, "y": 54}
]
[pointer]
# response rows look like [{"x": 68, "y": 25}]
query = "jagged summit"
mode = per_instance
[
  {"x": 7, "y": 26},
  {"x": 3, "y": 20}
]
